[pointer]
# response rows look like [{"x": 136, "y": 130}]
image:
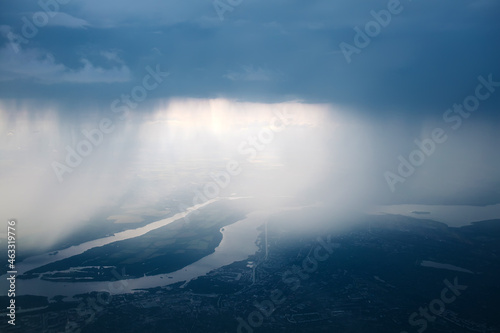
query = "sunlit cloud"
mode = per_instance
[{"x": 150, "y": 156}]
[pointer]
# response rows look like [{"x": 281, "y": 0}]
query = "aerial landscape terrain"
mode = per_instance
[
  {"x": 237, "y": 166},
  {"x": 370, "y": 276}
]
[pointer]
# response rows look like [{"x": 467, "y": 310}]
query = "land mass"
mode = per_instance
[{"x": 159, "y": 251}]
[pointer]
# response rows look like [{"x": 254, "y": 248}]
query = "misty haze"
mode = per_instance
[{"x": 246, "y": 166}]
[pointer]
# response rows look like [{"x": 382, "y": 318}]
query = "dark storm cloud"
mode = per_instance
[{"x": 427, "y": 57}]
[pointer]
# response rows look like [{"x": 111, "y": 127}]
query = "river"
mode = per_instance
[{"x": 238, "y": 242}]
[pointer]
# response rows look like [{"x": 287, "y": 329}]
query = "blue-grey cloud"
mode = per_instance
[{"x": 428, "y": 56}]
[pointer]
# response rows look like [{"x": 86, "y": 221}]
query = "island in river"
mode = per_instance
[{"x": 160, "y": 251}]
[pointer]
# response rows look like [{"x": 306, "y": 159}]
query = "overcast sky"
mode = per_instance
[
  {"x": 225, "y": 68},
  {"x": 427, "y": 57}
]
